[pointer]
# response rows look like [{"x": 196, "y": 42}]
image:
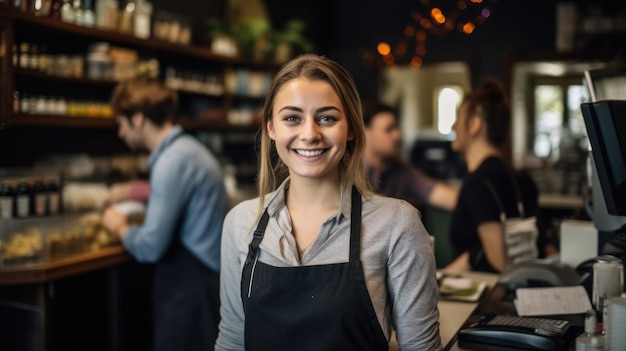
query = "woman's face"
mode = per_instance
[
  {"x": 309, "y": 128},
  {"x": 460, "y": 129}
]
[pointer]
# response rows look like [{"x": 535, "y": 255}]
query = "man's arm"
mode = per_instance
[{"x": 148, "y": 242}]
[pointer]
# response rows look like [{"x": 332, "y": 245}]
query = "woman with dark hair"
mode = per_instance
[
  {"x": 477, "y": 230},
  {"x": 317, "y": 261}
]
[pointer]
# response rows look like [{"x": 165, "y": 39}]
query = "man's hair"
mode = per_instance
[
  {"x": 372, "y": 107},
  {"x": 146, "y": 95}
]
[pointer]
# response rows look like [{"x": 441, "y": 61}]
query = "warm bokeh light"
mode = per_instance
[
  {"x": 420, "y": 49},
  {"x": 449, "y": 25},
  {"x": 429, "y": 19},
  {"x": 409, "y": 31},
  {"x": 383, "y": 48},
  {"x": 401, "y": 49},
  {"x": 389, "y": 59},
  {"x": 420, "y": 35},
  {"x": 416, "y": 62},
  {"x": 468, "y": 28},
  {"x": 435, "y": 12}
]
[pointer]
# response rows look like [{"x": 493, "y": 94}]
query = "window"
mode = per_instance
[
  {"x": 559, "y": 136},
  {"x": 558, "y": 122},
  {"x": 448, "y": 99}
]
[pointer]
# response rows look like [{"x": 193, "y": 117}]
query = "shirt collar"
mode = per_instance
[
  {"x": 169, "y": 138},
  {"x": 277, "y": 200}
]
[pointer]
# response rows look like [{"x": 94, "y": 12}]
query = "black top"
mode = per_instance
[
  {"x": 401, "y": 180},
  {"x": 477, "y": 205}
]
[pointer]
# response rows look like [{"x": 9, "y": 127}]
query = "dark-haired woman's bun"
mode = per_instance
[{"x": 492, "y": 89}]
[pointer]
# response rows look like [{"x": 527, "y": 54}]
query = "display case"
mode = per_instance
[{"x": 35, "y": 241}]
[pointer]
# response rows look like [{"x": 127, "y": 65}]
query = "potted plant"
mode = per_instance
[{"x": 290, "y": 39}]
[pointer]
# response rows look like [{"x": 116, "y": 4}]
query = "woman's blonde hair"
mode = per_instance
[{"x": 313, "y": 67}]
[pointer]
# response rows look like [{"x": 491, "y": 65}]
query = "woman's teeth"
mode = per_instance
[{"x": 310, "y": 153}]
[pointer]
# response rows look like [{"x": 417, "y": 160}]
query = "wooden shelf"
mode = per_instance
[
  {"x": 22, "y": 119},
  {"x": 65, "y": 267},
  {"x": 46, "y": 23},
  {"x": 31, "y": 73}
]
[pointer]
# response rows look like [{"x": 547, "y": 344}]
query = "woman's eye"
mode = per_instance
[
  {"x": 290, "y": 118},
  {"x": 327, "y": 119}
]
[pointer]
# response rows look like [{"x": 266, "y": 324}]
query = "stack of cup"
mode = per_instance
[{"x": 616, "y": 319}]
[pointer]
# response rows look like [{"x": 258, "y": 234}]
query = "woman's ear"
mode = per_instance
[
  {"x": 137, "y": 120},
  {"x": 476, "y": 124},
  {"x": 350, "y": 135},
  {"x": 270, "y": 130}
]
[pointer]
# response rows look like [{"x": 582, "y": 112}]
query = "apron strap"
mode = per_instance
[
  {"x": 257, "y": 237},
  {"x": 355, "y": 225},
  {"x": 355, "y": 230}
]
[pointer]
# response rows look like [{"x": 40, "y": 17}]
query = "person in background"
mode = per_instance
[
  {"x": 136, "y": 190},
  {"x": 482, "y": 130},
  {"x": 181, "y": 233},
  {"x": 317, "y": 261},
  {"x": 388, "y": 173}
]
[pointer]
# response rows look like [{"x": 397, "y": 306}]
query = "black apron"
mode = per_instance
[
  {"x": 318, "y": 308},
  {"x": 185, "y": 297}
]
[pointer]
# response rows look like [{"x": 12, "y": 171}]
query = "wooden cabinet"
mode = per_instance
[{"x": 199, "y": 108}]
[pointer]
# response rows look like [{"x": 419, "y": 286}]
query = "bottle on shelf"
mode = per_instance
[
  {"x": 16, "y": 101},
  {"x": 6, "y": 201},
  {"x": 67, "y": 12},
  {"x": 89, "y": 16},
  {"x": 53, "y": 197},
  {"x": 16, "y": 56},
  {"x": 24, "y": 59},
  {"x": 25, "y": 103},
  {"x": 106, "y": 14},
  {"x": 143, "y": 15},
  {"x": 22, "y": 200},
  {"x": 38, "y": 198},
  {"x": 127, "y": 18},
  {"x": 55, "y": 9}
]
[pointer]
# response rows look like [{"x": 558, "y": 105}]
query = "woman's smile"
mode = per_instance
[{"x": 310, "y": 153}]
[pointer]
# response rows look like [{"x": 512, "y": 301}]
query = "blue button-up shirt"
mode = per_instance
[{"x": 186, "y": 194}]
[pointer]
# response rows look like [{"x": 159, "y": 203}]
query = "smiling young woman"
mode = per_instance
[{"x": 317, "y": 261}]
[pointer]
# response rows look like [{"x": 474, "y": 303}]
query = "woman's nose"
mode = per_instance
[{"x": 310, "y": 130}]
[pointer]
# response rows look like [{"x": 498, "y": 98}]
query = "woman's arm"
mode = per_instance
[
  {"x": 231, "y": 330},
  {"x": 460, "y": 264},
  {"x": 443, "y": 196},
  {"x": 491, "y": 236},
  {"x": 412, "y": 284}
]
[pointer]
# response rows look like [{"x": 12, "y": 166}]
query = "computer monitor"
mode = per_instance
[
  {"x": 606, "y": 83},
  {"x": 605, "y": 122}
]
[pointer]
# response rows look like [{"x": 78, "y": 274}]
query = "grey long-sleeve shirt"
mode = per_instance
[{"x": 396, "y": 253}]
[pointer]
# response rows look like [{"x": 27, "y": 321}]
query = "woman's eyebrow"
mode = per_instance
[{"x": 321, "y": 109}]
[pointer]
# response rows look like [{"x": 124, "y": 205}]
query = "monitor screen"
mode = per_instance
[
  {"x": 606, "y": 84},
  {"x": 605, "y": 122}
]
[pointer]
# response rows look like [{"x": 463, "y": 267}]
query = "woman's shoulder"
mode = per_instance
[
  {"x": 389, "y": 207},
  {"x": 244, "y": 210}
]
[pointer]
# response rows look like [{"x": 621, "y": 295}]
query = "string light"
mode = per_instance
[{"x": 427, "y": 21}]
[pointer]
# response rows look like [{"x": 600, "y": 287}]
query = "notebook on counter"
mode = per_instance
[{"x": 461, "y": 289}]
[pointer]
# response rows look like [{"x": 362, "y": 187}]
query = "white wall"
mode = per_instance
[{"x": 412, "y": 92}]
